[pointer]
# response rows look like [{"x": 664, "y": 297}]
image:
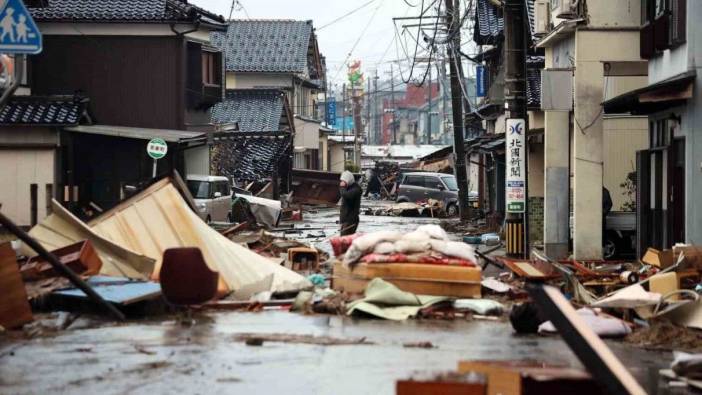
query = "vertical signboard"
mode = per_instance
[
  {"x": 331, "y": 111},
  {"x": 480, "y": 83},
  {"x": 515, "y": 145}
]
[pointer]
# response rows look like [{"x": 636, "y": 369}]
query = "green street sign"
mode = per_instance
[{"x": 157, "y": 148}]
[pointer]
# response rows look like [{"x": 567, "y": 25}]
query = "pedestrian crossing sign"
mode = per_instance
[{"x": 18, "y": 32}]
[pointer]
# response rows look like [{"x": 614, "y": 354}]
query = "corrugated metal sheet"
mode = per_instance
[
  {"x": 61, "y": 229},
  {"x": 159, "y": 218}
]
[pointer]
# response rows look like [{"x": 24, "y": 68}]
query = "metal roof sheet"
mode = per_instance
[
  {"x": 159, "y": 218},
  {"x": 168, "y": 135}
]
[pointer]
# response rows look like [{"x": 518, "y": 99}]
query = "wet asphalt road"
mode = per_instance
[
  {"x": 167, "y": 358},
  {"x": 163, "y": 357}
]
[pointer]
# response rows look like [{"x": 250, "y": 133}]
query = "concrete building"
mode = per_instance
[
  {"x": 591, "y": 53},
  {"x": 668, "y": 173}
]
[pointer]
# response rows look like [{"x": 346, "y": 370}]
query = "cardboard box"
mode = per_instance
[
  {"x": 422, "y": 279},
  {"x": 523, "y": 377},
  {"x": 693, "y": 255},
  {"x": 658, "y": 258}
]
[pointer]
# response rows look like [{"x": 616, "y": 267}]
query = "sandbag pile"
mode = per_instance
[{"x": 428, "y": 244}]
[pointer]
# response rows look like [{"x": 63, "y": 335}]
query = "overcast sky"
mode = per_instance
[{"x": 337, "y": 40}]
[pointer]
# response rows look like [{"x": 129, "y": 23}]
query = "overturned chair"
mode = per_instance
[{"x": 186, "y": 280}]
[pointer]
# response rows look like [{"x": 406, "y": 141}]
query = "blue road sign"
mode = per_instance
[
  {"x": 18, "y": 32},
  {"x": 331, "y": 112},
  {"x": 480, "y": 81}
]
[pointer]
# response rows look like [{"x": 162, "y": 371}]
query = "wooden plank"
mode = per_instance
[
  {"x": 422, "y": 279},
  {"x": 14, "y": 306}
]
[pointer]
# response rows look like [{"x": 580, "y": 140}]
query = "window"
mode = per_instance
[
  {"x": 417, "y": 181},
  {"x": 664, "y": 25},
  {"x": 432, "y": 183},
  {"x": 199, "y": 189},
  {"x": 450, "y": 182},
  {"x": 222, "y": 187},
  {"x": 209, "y": 69}
]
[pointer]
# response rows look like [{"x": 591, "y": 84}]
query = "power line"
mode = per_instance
[
  {"x": 363, "y": 32},
  {"x": 347, "y": 14}
]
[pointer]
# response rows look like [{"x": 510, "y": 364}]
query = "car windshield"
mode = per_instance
[
  {"x": 199, "y": 189},
  {"x": 450, "y": 183}
]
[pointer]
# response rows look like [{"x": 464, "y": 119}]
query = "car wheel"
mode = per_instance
[
  {"x": 208, "y": 220},
  {"x": 452, "y": 210},
  {"x": 229, "y": 218},
  {"x": 609, "y": 249}
]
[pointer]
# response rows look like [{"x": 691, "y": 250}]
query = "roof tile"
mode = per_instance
[
  {"x": 121, "y": 11},
  {"x": 255, "y": 110},
  {"x": 265, "y": 45},
  {"x": 43, "y": 110},
  {"x": 249, "y": 158}
]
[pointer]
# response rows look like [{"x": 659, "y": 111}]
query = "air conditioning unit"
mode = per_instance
[
  {"x": 542, "y": 16},
  {"x": 565, "y": 9}
]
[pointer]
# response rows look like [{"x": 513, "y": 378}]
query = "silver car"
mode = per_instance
[
  {"x": 417, "y": 187},
  {"x": 213, "y": 197}
]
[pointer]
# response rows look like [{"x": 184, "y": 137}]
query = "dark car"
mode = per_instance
[{"x": 417, "y": 187}]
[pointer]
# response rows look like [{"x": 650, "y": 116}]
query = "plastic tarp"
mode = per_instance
[
  {"x": 266, "y": 211},
  {"x": 62, "y": 228},
  {"x": 159, "y": 218},
  {"x": 384, "y": 300}
]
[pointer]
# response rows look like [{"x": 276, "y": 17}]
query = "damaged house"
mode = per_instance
[
  {"x": 259, "y": 151},
  {"x": 284, "y": 55},
  {"x": 142, "y": 70}
]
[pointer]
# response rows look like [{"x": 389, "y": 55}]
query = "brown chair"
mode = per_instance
[{"x": 186, "y": 279}]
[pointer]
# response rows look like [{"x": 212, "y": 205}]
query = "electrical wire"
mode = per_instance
[
  {"x": 362, "y": 6},
  {"x": 363, "y": 32}
]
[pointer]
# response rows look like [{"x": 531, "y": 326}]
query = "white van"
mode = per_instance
[{"x": 213, "y": 197}]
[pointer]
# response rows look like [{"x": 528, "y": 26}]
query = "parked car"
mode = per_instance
[
  {"x": 416, "y": 187},
  {"x": 213, "y": 197}
]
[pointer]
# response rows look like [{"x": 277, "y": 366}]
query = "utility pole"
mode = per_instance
[
  {"x": 428, "y": 132},
  {"x": 516, "y": 195},
  {"x": 392, "y": 100},
  {"x": 376, "y": 119},
  {"x": 454, "y": 44},
  {"x": 357, "y": 124},
  {"x": 369, "y": 123},
  {"x": 343, "y": 121}
]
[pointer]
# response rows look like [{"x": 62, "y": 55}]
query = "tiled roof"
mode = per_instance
[
  {"x": 534, "y": 88},
  {"x": 255, "y": 110},
  {"x": 534, "y": 66},
  {"x": 122, "y": 11},
  {"x": 249, "y": 158},
  {"x": 43, "y": 110},
  {"x": 265, "y": 45},
  {"x": 489, "y": 26}
]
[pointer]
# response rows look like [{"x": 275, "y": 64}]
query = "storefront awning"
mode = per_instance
[
  {"x": 656, "y": 97},
  {"x": 170, "y": 136}
]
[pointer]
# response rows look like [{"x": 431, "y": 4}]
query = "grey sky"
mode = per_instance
[{"x": 336, "y": 40}]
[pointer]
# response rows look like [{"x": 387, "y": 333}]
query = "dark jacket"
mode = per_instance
[
  {"x": 350, "y": 204},
  {"x": 373, "y": 185}
]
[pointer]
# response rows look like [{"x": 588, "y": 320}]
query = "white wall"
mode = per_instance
[
  {"x": 306, "y": 134},
  {"x": 197, "y": 160},
  {"x": 258, "y": 80},
  {"x": 18, "y": 169}
]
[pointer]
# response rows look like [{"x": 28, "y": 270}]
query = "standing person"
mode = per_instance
[
  {"x": 350, "y": 203},
  {"x": 373, "y": 185}
]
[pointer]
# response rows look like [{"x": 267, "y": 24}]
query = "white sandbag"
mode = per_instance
[
  {"x": 411, "y": 246},
  {"x": 434, "y": 231},
  {"x": 385, "y": 248},
  {"x": 367, "y": 243},
  {"x": 412, "y": 242},
  {"x": 454, "y": 249}
]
